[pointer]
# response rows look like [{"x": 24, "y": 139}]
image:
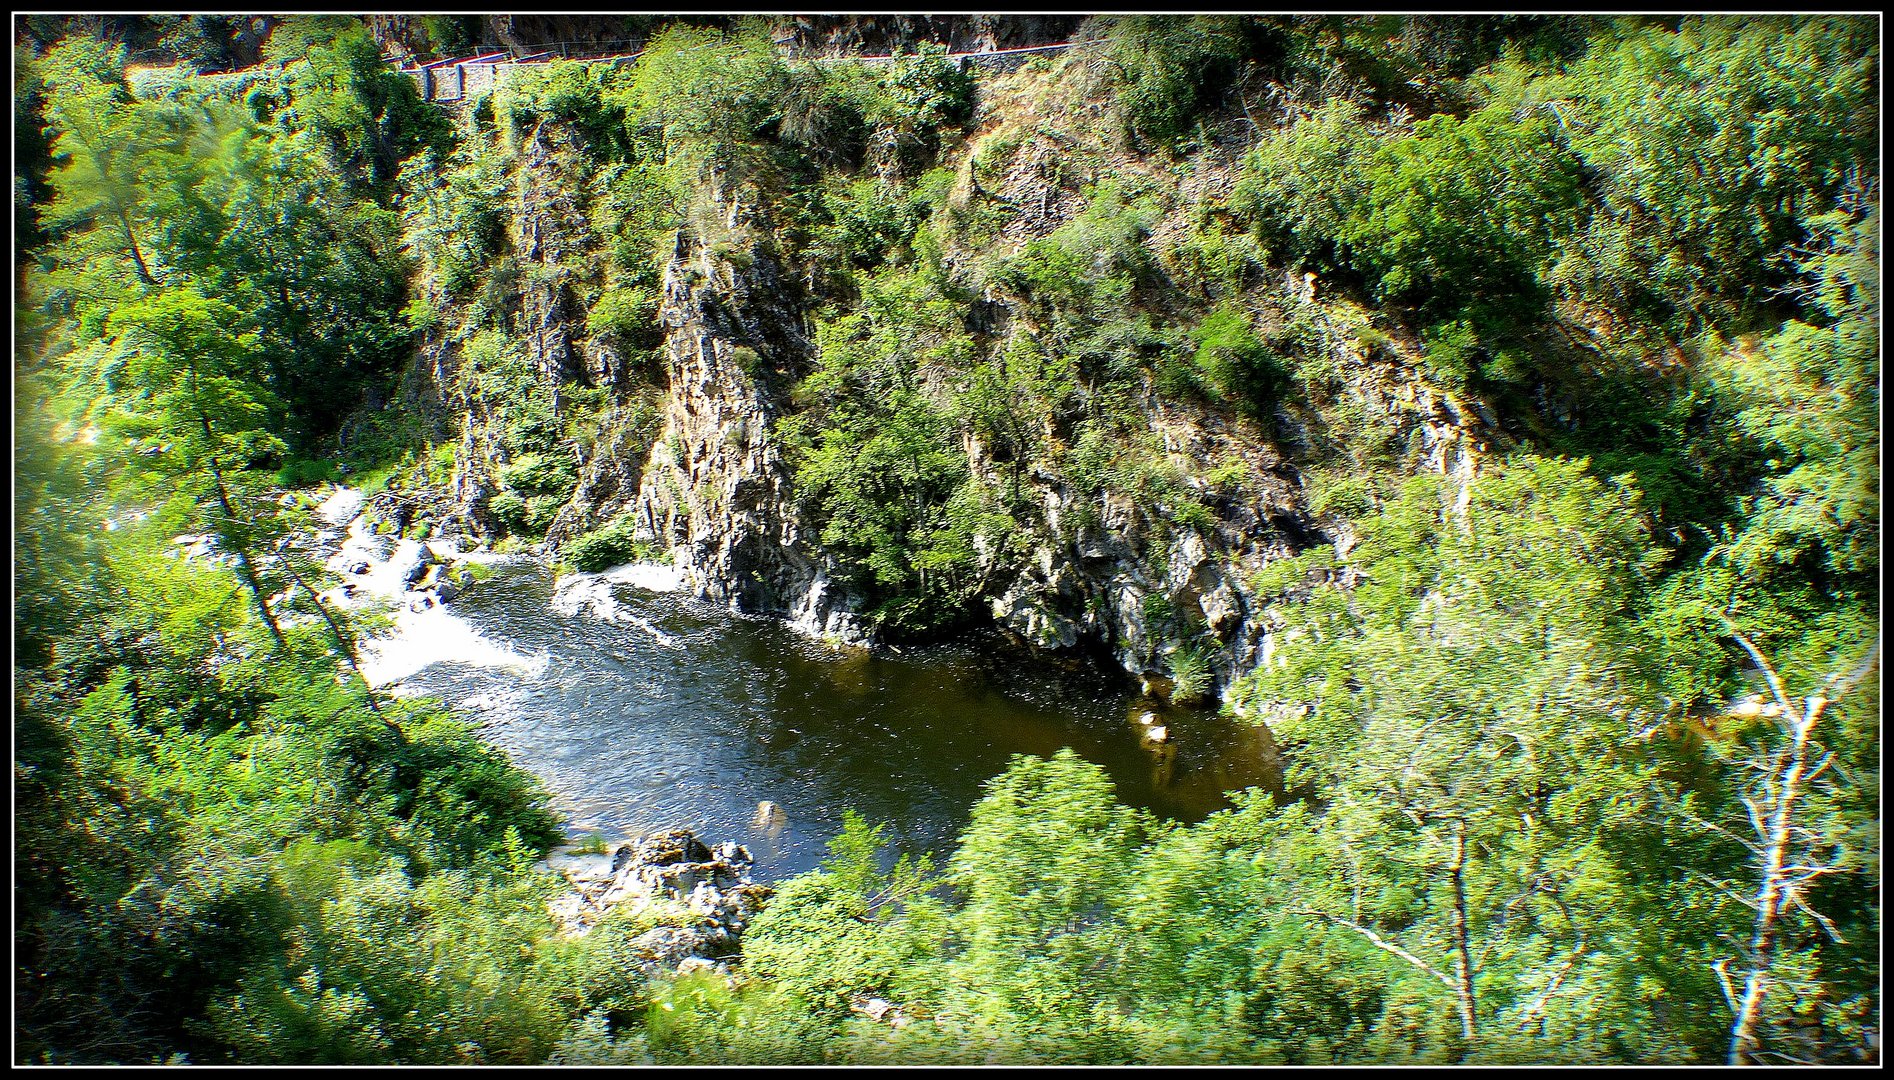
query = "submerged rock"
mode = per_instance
[{"x": 770, "y": 816}]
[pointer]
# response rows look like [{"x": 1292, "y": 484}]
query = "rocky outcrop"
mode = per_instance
[
  {"x": 364, "y": 544},
  {"x": 702, "y": 895},
  {"x": 1137, "y": 582},
  {"x": 716, "y": 491}
]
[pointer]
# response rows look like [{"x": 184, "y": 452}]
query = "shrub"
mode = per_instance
[
  {"x": 1196, "y": 517},
  {"x": 303, "y": 472},
  {"x": 628, "y": 313},
  {"x": 567, "y": 90},
  {"x": 1191, "y": 676},
  {"x": 1457, "y": 221},
  {"x": 1234, "y": 365},
  {"x": 613, "y": 544},
  {"x": 1167, "y": 69},
  {"x": 534, "y": 474},
  {"x": 509, "y": 510}
]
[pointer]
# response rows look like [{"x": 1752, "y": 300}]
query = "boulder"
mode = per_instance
[
  {"x": 674, "y": 876},
  {"x": 665, "y": 848},
  {"x": 698, "y": 963},
  {"x": 410, "y": 561},
  {"x": 664, "y": 948}
]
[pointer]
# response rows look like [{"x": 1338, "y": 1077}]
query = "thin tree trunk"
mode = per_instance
[
  {"x": 346, "y": 645},
  {"x": 1787, "y": 777},
  {"x": 1745, "y": 1038},
  {"x": 131, "y": 241},
  {"x": 244, "y": 566},
  {"x": 227, "y": 523},
  {"x": 1463, "y": 952}
]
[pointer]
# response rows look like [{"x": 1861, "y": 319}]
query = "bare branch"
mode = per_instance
[
  {"x": 1691, "y": 817},
  {"x": 1828, "y": 758},
  {"x": 1827, "y": 925},
  {"x": 1380, "y": 943},
  {"x": 1722, "y": 969},
  {"x": 1769, "y": 672},
  {"x": 1705, "y": 879},
  {"x": 1536, "y": 1010}
]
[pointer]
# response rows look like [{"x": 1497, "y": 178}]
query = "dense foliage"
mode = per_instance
[{"x": 1582, "y": 737}]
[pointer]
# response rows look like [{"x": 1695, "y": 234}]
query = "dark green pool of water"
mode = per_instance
[{"x": 676, "y": 714}]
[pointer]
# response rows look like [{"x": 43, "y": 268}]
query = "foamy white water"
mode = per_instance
[
  {"x": 436, "y": 635},
  {"x": 341, "y": 506},
  {"x": 594, "y": 595},
  {"x": 652, "y": 577}
]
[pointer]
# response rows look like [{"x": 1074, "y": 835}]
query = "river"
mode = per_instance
[{"x": 642, "y": 710}]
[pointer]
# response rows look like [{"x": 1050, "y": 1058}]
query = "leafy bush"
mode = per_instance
[
  {"x": 454, "y": 215},
  {"x": 302, "y": 472},
  {"x": 1458, "y": 220},
  {"x": 509, "y": 510},
  {"x": 1191, "y": 673},
  {"x": 536, "y": 474},
  {"x": 703, "y": 97},
  {"x": 1719, "y": 143},
  {"x": 1234, "y": 365},
  {"x": 1167, "y": 68},
  {"x": 631, "y": 314},
  {"x": 571, "y": 91},
  {"x": 884, "y": 485},
  {"x": 610, "y": 545}
]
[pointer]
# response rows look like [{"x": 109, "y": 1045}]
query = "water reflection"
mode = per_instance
[{"x": 649, "y": 711}]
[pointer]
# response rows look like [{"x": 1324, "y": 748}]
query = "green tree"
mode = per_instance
[
  {"x": 1720, "y": 142},
  {"x": 111, "y": 156},
  {"x": 187, "y": 380},
  {"x": 1463, "y": 708}
]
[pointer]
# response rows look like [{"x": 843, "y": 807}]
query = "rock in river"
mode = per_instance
[{"x": 672, "y": 876}]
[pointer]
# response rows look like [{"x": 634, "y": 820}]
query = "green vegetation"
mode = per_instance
[
  {"x": 612, "y": 545},
  {"x": 1165, "y": 70},
  {"x": 1565, "y": 331}
]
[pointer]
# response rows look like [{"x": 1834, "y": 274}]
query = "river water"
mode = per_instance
[{"x": 642, "y": 710}]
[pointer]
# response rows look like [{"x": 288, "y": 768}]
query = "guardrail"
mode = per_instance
[{"x": 451, "y": 81}]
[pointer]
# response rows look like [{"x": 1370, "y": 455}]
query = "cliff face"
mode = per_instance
[
  {"x": 684, "y": 450},
  {"x": 716, "y": 492}
]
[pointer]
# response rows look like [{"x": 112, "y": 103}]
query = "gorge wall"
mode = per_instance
[{"x": 676, "y": 443}]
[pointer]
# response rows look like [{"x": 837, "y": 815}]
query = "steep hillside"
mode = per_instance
[{"x": 1097, "y": 441}]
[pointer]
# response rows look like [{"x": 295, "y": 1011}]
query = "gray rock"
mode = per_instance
[
  {"x": 666, "y": 848},
  {"x": 664, "y": 948},
  {"x": 409, "y": 561}
]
